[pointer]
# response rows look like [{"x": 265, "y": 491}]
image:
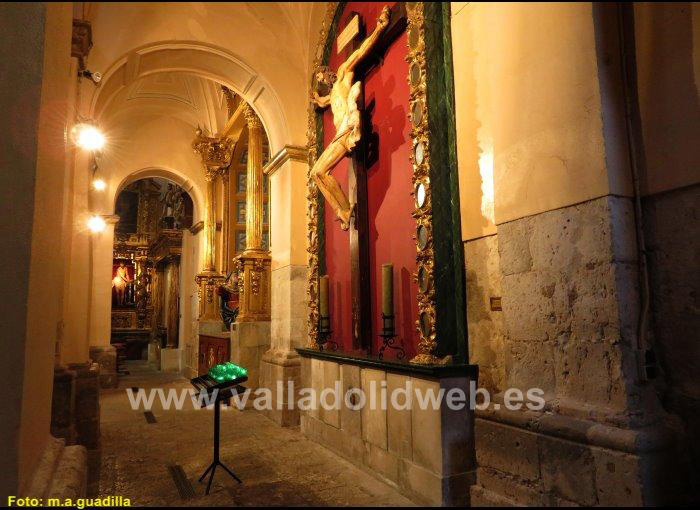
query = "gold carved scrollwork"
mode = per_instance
[
  {"x": 312, "y": 194},
  {"x": 215, "y": 152},
  {"x": 251, "y": 117},
  {"x": 420, "y": 161}
]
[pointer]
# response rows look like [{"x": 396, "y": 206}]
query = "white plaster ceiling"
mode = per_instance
[{"x": 192, "y": 99}]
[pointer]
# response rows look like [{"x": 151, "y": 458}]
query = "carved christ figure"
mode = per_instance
[
  {"x": 346, "y": 118},
  {"x": 120, "y": 281}
]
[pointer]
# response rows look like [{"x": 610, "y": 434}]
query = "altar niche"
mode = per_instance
[
  {"x": 400, "y": 181},
  {"x": 146, "y": 269}
]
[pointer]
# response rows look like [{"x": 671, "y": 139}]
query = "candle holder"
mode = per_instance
[
  {"x": 324, "y": 334},
  {"x": 388, "y": 335}
]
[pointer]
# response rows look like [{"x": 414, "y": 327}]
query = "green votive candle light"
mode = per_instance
[{"x": 227, "y": 372}]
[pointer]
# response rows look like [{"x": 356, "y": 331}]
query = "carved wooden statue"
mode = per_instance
[{"x": 346, "y": 118}]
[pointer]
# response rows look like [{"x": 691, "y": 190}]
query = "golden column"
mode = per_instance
[
  {"x": 254, "y": 183},
  {"x": 216, "y": 156},
  {"x": 253, "y": 265}
]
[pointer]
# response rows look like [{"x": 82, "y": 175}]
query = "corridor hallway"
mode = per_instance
[{"x": 278, "y": 466}]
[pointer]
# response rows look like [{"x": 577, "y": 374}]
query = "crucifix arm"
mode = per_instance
[{"x": 367, "y": 44}]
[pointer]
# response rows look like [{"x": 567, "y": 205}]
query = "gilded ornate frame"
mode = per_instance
[{"x": 433, "y": 159}]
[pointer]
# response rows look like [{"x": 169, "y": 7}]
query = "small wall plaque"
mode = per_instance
[
  {"x": 351, "y": 30},
  {"x": 496, "y": 304}
]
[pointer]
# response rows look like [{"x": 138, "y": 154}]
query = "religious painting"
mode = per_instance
[
  {"x": 123, "y": 283},
  {"x": 266, "y": 207},
  {"x": 241, "y": 181},
  {"x": 244, "y": 157},
  {"x": 240, "y": 241},
  {"x": 266, "y": 240},
  {"x": 240, "y": 212}
]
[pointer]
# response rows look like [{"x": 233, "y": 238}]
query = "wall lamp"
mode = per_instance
[{"x": 88, "y": 137}]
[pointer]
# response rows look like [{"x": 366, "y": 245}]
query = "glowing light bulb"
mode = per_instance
[
  {"x": 88, "y": 137},
  {"x": 99, "y": 184},
  {"x": 96, "y": 224}
]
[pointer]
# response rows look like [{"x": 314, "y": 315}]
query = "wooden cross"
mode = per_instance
[{"x": 361, "y": 158}]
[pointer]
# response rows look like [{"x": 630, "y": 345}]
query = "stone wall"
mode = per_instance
[
  {"x": 427, "y": 454},
  {"x": 568, "y": 280},
  {"x": 485, "y": 327},
  {"x": 672, "y": 231}
]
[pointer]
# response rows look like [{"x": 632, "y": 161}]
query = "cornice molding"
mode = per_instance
[{"x": 288, "y": 152}]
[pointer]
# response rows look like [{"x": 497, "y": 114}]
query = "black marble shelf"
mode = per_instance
[{"x": 432, "y": 371}]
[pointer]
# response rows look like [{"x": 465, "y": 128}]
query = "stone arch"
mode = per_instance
[
  {"x": 203, "y": 60},
  {"x": 172, "y": 175}
]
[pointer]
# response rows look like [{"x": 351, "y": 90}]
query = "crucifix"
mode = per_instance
[{"x": 346, "y": 99}]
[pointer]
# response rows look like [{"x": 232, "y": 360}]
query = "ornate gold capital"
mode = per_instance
[
  {"x": 252, "y": 118},
  {"x": 212, "y": 172},
  {"x": 230, "y": 97},
  {"x": 215, "y": 152}
]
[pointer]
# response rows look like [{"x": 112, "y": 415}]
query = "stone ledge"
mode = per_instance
[
  {"x": 483, "y": 497},
  {"x": 62, "y": 472},
  {"x": 641, "y": 440},
  {"x": 428, "y": 371},
  {"x": 536, "y": 467},
  {"x": 70, "y": 477}
]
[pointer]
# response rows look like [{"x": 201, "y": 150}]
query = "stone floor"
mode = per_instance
[{"x": 278, "y": 466}]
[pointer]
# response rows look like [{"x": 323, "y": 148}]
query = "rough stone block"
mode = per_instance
[
  {"x": 531, "y": 365},
  {"x": 591, "y": 373},
  {"x": 568, "y": 470},
  {"x": 507, "y": 449},
  {"x": 510, "y": 487},
  {"x": 482, "y": 497},
  {"x": 617, "y": 478},
  {"x": 514, "y": 247},
  {"x": 374, "y": 428},
  {"x": 399, "y": 419}
]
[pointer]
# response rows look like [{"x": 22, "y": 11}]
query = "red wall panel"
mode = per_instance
[{"x": 390, "y": 202}]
